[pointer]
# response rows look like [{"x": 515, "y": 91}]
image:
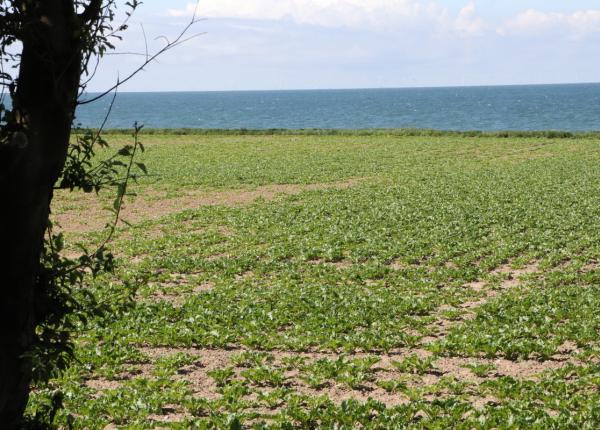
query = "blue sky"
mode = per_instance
[{"x": 298, "y": 44}]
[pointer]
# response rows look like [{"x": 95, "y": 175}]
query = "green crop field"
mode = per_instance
[{"x": 345, "y": 281}]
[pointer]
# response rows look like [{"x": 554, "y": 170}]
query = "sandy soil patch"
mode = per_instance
[
  {"x": 171, "y": 414},
  {"x": 462, "y": 369},
  {"x": 87, "y": 214},
  {"x": 512, "y": 278},
  {"x": 456, "y": 367}
]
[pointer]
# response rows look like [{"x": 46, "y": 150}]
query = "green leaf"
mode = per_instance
[{"x": 142, "y": 167}]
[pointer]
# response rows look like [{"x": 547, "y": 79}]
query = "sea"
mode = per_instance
[{"x": 568, "y": 107}]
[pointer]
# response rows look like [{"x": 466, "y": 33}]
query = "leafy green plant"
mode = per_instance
[
  {"x": 481, "y": 369},
  {"x": 351, "y": 372},
  {"x": 63, "y": 304},
  {"x": 393, "y": 385},
  {"x": 274, "y": 398},
  {"x": 416, "y": 365},
  {"x": 221, "y": 376},
  {"x": 168, "y": 365},
  {"x": 484, "y": 204},
  {"x": 293, "y": 362},
  {"x": 264, "y": 376},
  {"x": 251, "y": 358}
]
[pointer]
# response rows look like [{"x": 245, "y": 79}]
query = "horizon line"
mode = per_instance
[{"x": 356, "y": 88}]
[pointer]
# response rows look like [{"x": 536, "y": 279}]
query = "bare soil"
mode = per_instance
[{"x": 87, "y": 214}]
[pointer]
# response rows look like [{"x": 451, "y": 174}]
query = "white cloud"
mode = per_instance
[
  {"x": 373, "y": 14},
  {"x": 189, "y": 10},
  {"x": 467, "y": 23},
  {"x": 531, "y": 22}
]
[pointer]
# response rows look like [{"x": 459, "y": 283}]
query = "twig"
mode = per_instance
[
  {"x": 170, "y": 45},
  {"x": 122, "y": 189},
  {"x": 145, "y": 40}
]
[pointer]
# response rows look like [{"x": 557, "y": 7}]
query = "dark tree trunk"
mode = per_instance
[{"x": 30, "y": 164}]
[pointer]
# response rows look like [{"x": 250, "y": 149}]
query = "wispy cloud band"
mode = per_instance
[
  {"x": 390, "y": 15},
  {"x": 381, "y": 15},
  {"x": 532, "y": 21}
]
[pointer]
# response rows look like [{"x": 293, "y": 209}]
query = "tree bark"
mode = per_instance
[{"x": 30, "y": 164}]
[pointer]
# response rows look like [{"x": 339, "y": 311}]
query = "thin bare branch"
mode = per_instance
[
  {"x": 145, "y": 40},
  {"x": 139, "y": 54},
  {"x": 89, "y": 77},
  {"x": 150, "y": 58}
]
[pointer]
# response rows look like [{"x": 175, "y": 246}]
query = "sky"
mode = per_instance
[{"x": 307, "y": 44}]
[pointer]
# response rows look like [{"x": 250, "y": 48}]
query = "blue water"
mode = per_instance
[{"x": 574, "y": 107}]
